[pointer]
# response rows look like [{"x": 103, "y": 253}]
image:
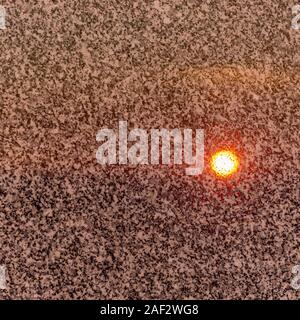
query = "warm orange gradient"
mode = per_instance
[{"x": 224, "y": 163}]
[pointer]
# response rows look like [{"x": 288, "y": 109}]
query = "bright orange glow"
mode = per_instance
[{"x": 224, "y": 163}]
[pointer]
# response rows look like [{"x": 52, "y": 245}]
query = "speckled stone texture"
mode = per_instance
[{"x": 72, "y": 229}]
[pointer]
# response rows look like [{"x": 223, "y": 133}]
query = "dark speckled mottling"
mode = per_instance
[{"x": 73, "y": 229}]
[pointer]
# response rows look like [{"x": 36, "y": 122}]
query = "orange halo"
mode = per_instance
[{"x": 224, "y": 163}]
